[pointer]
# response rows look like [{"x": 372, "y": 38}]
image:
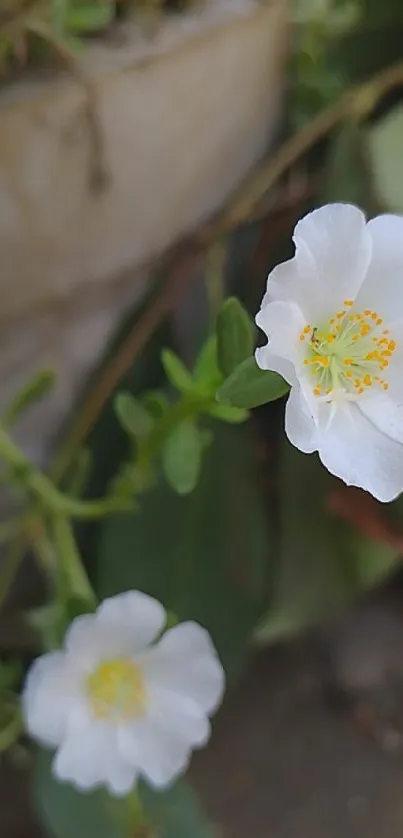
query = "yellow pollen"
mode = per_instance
[
  {"x": 385, "y": 385},
  {"x": 116, "y": 691},
  {"x": 347, "y": 353}
]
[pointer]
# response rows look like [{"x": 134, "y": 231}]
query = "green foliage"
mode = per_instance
[
  {"x": 133, "y": 416},
  {"x": 385, "y": 146},
  {"x": 65, "y": 812},
  {"x": 181, "y": 456},
  {"x": 175, "y": 813},
  {"x": 205, "y": 555},
  {"x": 249, "y": 386},
  {"x": 176, "y": 372},
  {"x": 322, "y": 562},
  {"x": 206, "y": 373},
  {"x": 32, "y": 392},
  {"x": 10, "y": 714},
  {"x": 235, "y": 336}
]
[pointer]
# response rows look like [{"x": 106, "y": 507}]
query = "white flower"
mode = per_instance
[
  {"x": 333, "y": 316},
  {"x": 116, "y": 707}
]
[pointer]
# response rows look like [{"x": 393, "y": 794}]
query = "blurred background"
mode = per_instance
[{"x": 155, "y": 156}]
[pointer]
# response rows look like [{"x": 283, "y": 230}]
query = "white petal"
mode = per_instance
[
  {"x": 384, "y": 413},
  {"x": 157, "y": 753},
  {"x": 50, "y": 691},
  {"x": 180, "y": 716},
  {"x": 383, "y": 286},
  {"x": 267, "y": 361},
  {"x": 334, "y": 244},
  {"x": 299, "y": 423},
  {"x": 185, "y": 662},
  {"x": 354, "y": 450},
  {"x": 138, "y": 614},
  {"x": 87, "y": 643},
  {"x": 293, "y": 281},
  {"x": 121, "y": 626},
  {"x": 282, "y": 323},
  {"x": 89, "y": 757},
  {"x": 159, "y": 745}
]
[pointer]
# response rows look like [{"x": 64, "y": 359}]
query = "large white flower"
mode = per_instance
[
  {"x": 116, "y": 707},
  {"x": 333, "y": 316}
]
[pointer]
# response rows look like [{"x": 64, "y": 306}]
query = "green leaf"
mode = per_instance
[
  {"x": 89, "y": 18},
  {"x": 156, "y": 403},
  {"x": 133, "y": 416},
  {"x": 385, "y": 140},
  {"x": 235, "y": 336},
  {"x": 10, "y": 674},
  {"x": 206, "y": 555},
  {"x": 323, "y": 562},
  {"x": 32, "y": 392},
  {"x": 206, "y": 371},
  {"x": 10, "y": 721},
  {"x": 177, "y": 373},
  {"x": 181, "y": 457},
  {"x": 249, "y": 386},
  {"x": 65, "y": 812},
  {"x": 175, "y": 813},
  {"x": 226, "y": 413}
]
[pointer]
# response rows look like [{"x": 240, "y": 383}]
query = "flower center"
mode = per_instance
[
  {"x": 348, "y": 353},
  {"x": 116, "y": 691}
]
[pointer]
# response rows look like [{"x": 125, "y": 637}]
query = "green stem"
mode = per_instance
[
  {"x": 70, "y": 560},
  {"x": 40, "y": 485},
  {"x": 187, "y": 406},
  {"x": 137, "y": 816}
]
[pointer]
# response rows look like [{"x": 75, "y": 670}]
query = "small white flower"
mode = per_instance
[
  {"x": 333, "y": 316},
  {"x": 117, "y": 708}
]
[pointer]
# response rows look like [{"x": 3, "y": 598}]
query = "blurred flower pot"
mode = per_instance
[{"x": 169, "y": 125}]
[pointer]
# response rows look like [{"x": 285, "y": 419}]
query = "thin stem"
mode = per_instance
[
  {"x": 72, "y": 567},
  {"x": 29, "y": 476},
  {"x": 357, "y": 101}
]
